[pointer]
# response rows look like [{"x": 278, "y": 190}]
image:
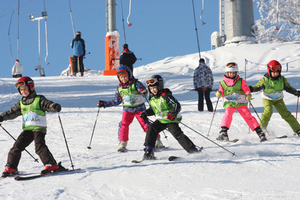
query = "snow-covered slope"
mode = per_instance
[{"x": 266, "y": 170}]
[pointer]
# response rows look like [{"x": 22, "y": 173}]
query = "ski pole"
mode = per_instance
[
  {"x": 65, "y": 140},
  {"x": 249, "y": 111},
  {"x": 35, "y": 160},
  {"x": 233, "y": 154},
  {"x": 89, "y": 147},
  {"x": 297, "y": 107},
  {"x": 213, "y": 117},
  {"x": 259, "y": 118}
]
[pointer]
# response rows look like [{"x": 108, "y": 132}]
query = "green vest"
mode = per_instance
[
  {"x": 273, "y": 89},
  {"x": 130, "y": 96},
  {"x": 233, "y": 96},
  {"x": 32, "y": 115},
  {"x": 161, "y": 110}
]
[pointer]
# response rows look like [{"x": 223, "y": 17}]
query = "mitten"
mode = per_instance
[
  {"x": 101, "y": 104},
  {"x": 170, "y": 116},
  {"x": 218, "y": 94},
  {"x": 143, "y": 115},
  {"x": 57, "y": 107},
  {"x": 248, "y": 97}
]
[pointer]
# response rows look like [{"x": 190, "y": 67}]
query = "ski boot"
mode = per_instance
[
  {"x": 260, "y": 134},
  {"x": 223, "y": 134},
  {"x": 159, "y": 144},
  {"x": 298, "y": 132},
  {"x": 50, "y": 168},
  {"x": 122, "y": 146},
  {"x": 194, "y": 150},
  {"x": 9, "y": 172},
  {"x": 149, "y": 154}
]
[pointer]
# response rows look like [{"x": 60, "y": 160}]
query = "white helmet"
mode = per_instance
[{"x": 232, "y": 67}]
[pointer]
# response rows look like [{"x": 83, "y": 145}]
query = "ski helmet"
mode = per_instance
[
  {"x": 156, "y": 80},
  {"x": 125, "y": 46},
  {"x": 232, "y": 67},
  {"x": 78, "y": 33},
  {"x": 124, "y": 70},
  {"x": 274, "y": 66},
  {"x": 25, "y": 80}
]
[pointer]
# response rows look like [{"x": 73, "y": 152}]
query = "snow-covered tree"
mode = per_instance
[{"x": 279, "y": 21}]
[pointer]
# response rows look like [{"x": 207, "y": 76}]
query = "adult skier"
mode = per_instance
[{"x": 203, "y": 83}]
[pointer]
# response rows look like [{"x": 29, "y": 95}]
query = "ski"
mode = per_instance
[
  {"x": 232, "y": 141},
  {"x": 281, "y": 137},
  {"x": 172, "y": 158},
  {"x": 137, "y": 161},
  {"x": 13, "y": 175},
  {"x": 29, "y": 177}
]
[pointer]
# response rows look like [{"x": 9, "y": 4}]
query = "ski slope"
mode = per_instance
[{"x": 266, "y": 170}]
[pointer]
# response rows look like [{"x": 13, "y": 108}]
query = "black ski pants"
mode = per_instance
[
  {"x": 207, "y": 99},
  {"x": 76, "y": 67},
  {"x": 24, "y": 139},
  {"x": 175, "y": 130}
]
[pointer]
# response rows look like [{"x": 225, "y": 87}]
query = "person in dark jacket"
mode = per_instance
[
  {"x": 78, "y": 46},
  {"x": 33, "y": 109},
  {"x": 167, "y": 111},
  {"x": 127, "y": 57},
  {"x": 203, "y": 83}
]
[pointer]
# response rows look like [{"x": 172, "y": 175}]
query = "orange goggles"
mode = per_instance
[
  {"x": 20, "y": 84},
  {"x": 122, "y": 72},
  {"x": 151, "y": 81},
  {"x": 231, "y": 64},
  {"x": 275, "y": 68}
]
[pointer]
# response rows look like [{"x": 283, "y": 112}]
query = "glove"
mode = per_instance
[
  {"x": 218, "y": 94},
  {"x": 204, "y": 89},
  {"x": 57, "y": 107},
  {"x": 248, "y": 97},
  {"x": 1, "y": 119},
  {"x": 297, "y": 93},
  {"x": 101, "y": 104},
  {"x": 170, "y": 116},
  {"x": 143, "y": 91},
  {"x": 143, "y": 115}
]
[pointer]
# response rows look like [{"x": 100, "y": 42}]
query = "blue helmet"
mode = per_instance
[{"x": 124, "y": 70}]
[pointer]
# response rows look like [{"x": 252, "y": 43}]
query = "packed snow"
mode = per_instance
[{"x": 267, "y": 170}]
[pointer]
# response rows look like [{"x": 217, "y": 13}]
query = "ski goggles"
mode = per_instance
[
  {"x": 275, "y": 68},
  {"x": 151, "y": 81},
  {"x": 20, "y": 84},
  {"x": 122, "y": 72},
  {"x": 231, "y": 64}
]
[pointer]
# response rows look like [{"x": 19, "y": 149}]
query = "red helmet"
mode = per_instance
[
  {"x": 25, "y": 80},
  {"x": 274, "y": 66}
]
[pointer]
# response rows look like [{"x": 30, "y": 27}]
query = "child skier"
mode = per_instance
[
  {"x": 236, "y": 94},
  {"x": 166, "y": 109},
  {"x": 273, "y": 85},
  {"x": 131, "y": 92},
  {"x": 33, "y": 109}
]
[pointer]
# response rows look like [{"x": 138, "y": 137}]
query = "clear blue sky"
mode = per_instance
[{"x": 160, "y": 29}]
